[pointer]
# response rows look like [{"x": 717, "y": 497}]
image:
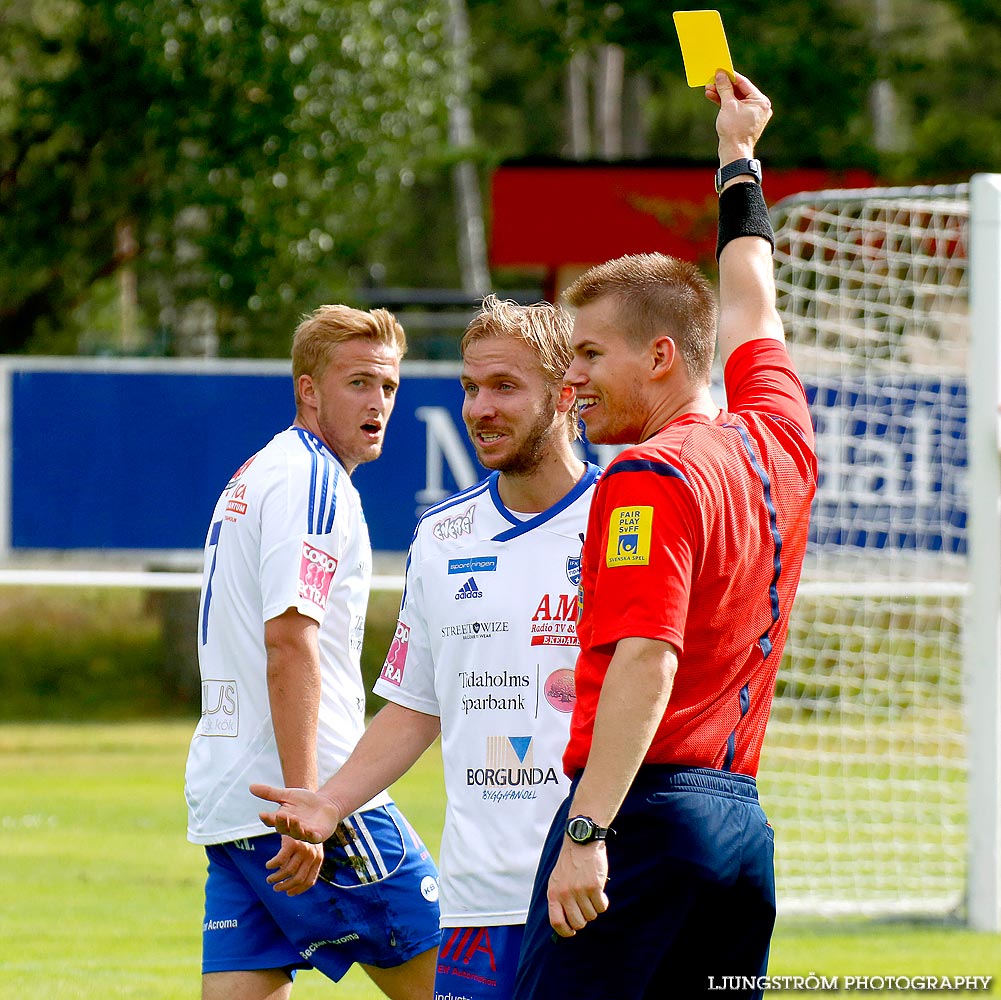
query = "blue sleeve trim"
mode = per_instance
[
  {"x": 646, "y": 465},
  {"x": 765, "y": 642}
]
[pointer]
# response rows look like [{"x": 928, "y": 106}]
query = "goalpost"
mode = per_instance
[{"x": 882, "y": 766}]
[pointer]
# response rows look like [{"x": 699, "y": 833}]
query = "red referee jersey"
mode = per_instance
[{"x": 696, "y": 537}]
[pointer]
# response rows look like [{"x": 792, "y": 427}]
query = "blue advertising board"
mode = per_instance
[
  {"x": 133, "y": 456},
  {"x": 892, "y": 458},
  {"x": 134, "y": 459}
]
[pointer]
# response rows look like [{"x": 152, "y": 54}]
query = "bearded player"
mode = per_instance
[{"x": 484, "y": 649}]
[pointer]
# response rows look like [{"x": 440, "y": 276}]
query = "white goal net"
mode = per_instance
[{"x": 864, "y": 771}]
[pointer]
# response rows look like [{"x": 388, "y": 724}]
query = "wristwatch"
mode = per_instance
[
  {"x": 583, "y": 829},
  {"x": 735, "y": 168}
]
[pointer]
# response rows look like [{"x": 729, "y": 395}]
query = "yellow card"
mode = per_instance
[{"x": 703, "y": 45}]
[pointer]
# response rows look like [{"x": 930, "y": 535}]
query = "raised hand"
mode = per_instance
[
  {"x": 744, "y": 113},
  {"x": 302, "y": 814}
]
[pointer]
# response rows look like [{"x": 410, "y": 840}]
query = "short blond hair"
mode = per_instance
[
  {"x": 657, "y": 294},
  {"x": 330, "y": 325},
  {"x": 545, "y": 327}
]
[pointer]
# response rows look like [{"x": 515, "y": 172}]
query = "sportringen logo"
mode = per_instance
[
  {"x": 468, "y": 590},
  {"x": 475, "y": 564}
]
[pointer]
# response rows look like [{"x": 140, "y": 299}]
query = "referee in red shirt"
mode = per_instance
[{"x": 657, "y": 878}]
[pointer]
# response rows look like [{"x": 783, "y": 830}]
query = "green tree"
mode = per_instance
[
  {"x": 813, "y": 57},
  {"x": 238, "y": 155},
  {"x": 952, "y": 61}
]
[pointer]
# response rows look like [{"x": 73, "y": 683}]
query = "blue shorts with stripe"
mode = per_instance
[
  {"x": 376, "y": 902},
  {"x": 691, "y": 895}
]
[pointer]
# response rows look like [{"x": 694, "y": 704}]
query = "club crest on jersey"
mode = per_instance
[
  {"x": 455, "y": 527},
  {"x": 573, "y": 570},
  {"x": 396, "y": 659},
  {"x": 629, "y": 533},
  {"x": 316, "y": 570}
]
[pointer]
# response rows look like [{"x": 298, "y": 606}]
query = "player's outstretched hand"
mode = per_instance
[
  {"x": 743, "y": 114},
  {"x": 301, "y": 814}
]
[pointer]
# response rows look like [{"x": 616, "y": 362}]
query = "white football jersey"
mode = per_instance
[
  {"x": 287, "y": 532},
  {"x": 487, "y": 641}
]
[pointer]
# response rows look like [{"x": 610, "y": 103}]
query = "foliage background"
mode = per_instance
[{"x": 188, "y": 176}]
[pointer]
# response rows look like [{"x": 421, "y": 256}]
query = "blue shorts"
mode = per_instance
[
  {"x": 691, "y": 895},
  {"x": 477, "y": 963},
  {"x": 376, "y": 902}
]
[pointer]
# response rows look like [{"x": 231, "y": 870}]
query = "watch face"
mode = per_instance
[{"x": 579, "y": 830}]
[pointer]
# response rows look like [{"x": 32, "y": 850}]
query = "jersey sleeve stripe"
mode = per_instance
[
  {"x": 329, "y": 524},
  {"x": 645, "y": 465},
  {"x": 765, "y": 642},
  {"x": 322, "y": 508}
]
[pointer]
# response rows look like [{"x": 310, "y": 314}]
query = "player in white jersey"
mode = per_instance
[
  {"x": 484, "y": 649},
  {"x": 288, "y": 566}
]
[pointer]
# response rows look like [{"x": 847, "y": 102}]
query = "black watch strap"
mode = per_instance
[
  {"x": 737, "y": 168},
  {"x": 584, "y": 830}
]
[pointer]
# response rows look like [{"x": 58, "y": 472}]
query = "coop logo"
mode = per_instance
[
  {"x": 561, "y": 690},
  {"x": 316, "y": 570},
  {"x": 455, "y": 527},
  {"x": 510, "y": 764},
  {"x": 555, "y": 621},
  {"x": 468, "y": 591},
  {"x": 396, "y": 658},
  {"x": 573, "y": 570},
  {"x": 220, "y": 708},
  {"x": 629, "y": 532}
]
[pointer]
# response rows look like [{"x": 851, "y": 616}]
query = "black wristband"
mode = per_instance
[{"x": 743, "y": 212}]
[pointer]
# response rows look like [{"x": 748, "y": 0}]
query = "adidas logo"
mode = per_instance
[{"x": 468, "y": 590}]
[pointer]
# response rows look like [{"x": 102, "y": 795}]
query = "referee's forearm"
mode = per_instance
[{"x": 634, "y": 697}]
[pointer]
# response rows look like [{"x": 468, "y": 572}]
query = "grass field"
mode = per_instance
[{"x": 102, "y": 894}]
